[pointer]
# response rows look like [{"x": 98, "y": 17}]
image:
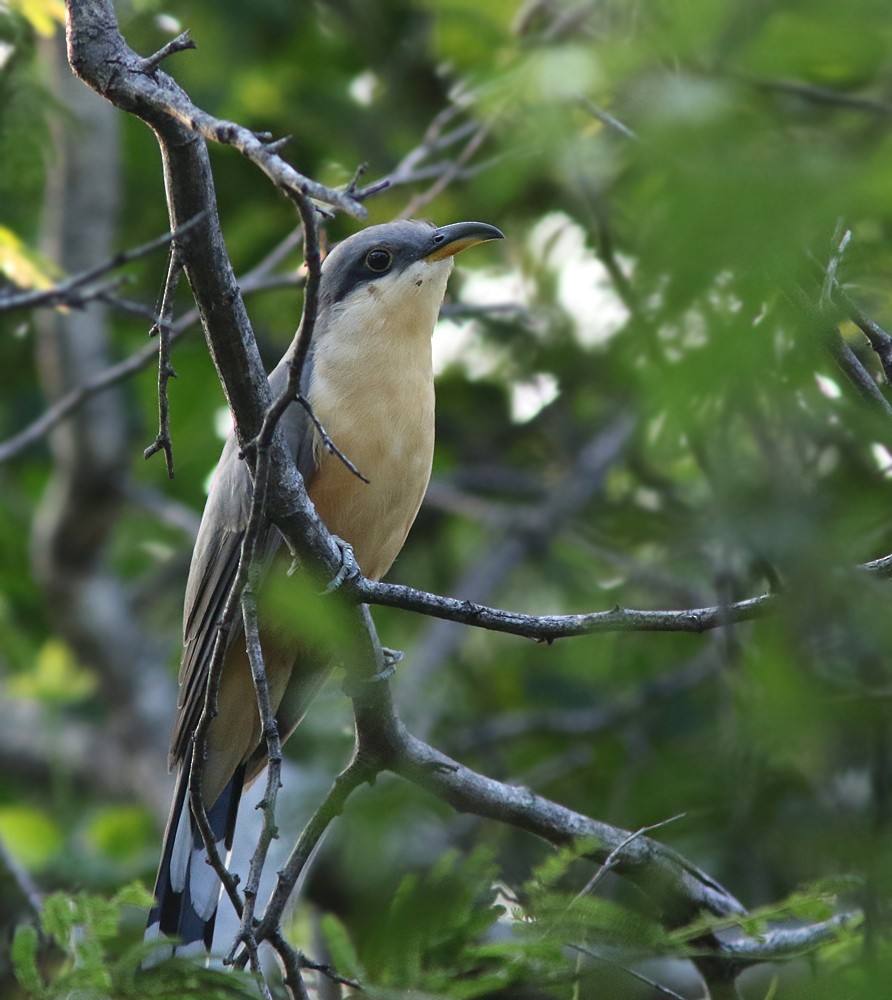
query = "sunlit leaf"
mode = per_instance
[
  {"x": 22, "y": 265},
  {"x": 120, "y": 832},
  {"x": 31, "y": 835},
  {"x": 56, "y": 676},
  {"x": 45, "y": 16}
]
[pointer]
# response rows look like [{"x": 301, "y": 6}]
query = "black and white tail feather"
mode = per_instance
[{"x": 187, "y": 889}]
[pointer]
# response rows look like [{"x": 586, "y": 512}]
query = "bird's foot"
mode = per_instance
[
  {"x": 353, "y": 687},
  {"x": 349, "y": 568},
  {"x": 391, "y": 658}
]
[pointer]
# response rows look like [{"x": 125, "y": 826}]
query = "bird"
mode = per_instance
[{"x": 368, "y": 380}]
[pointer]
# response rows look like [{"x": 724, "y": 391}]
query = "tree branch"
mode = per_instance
[
  {"x": 72, "y": 292},
  {"x": 518, "y": 536},
  {"x": 257, "y": 279},
  {"x": 680, "y": 889},
  {"x": 260, "y": 449},
  {"x": 162, "y": 330},
  {"x": 547, "y": 628},
  {"x": 99, "y": 55},
  {"x": 26, "y": 885},
  {"x": 780, "y": 943}
]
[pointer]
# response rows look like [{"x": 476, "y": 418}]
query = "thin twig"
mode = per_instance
[
  {"x": 605, "y": 118},
  {"x": 842, "y": 238},
  {"x": 294, "y": 960},
  {"x": 313, "y": 263},
  {"x": 359, "y": 771},
  {"x": 652, "y": 983},
  {"x": 257, "y": 279},
  {"x": 178, "y": 44},
  {"x": 327, "y": 442},
  {"x": 291, "y": 962},
  {"x": 780, "y": 943},
  {"x": 879, "y": 339},
  {"x": 478, "y": 136},
  {"x": 26, "y": 885},
  {"x": 824, "y": 95},
  {"x": 325, "y": 970},
  {"x": 268, "y": 830},
  {"x": 547, "y": 628},
  {"x": 302, "y": 340},
  {"x": 612, "y": 858},
  {"x": 858, "y": 376},
  {"x": 263, "y": 153},
  {"x": 433, "y": 140},
  {"x": 61, "y": 293},
  {"x": 260, "y": 448},
  {"x": 162, "y": 328}
]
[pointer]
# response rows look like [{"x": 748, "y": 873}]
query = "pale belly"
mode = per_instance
[{"x": 375, "y": 517}]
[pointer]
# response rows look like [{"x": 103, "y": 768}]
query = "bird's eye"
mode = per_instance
[{"x": 378, "y": 260}]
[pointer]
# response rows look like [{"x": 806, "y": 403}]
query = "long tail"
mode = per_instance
[{"x": 187, "y": 889}]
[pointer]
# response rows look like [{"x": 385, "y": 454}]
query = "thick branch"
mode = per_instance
[
  {"x": 681, "y": 889},
  {"x": 101, "y": 57}
]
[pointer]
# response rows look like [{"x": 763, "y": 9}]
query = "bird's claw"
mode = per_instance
[
  {"x": 349, "y": 568},
  {"x": 383, "y": 675},
  {"x": 391, "y": 658},
  {"x": 352, "y": 687}
]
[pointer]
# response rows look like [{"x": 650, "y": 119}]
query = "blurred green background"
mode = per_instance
[{"x": 679, "y": 184}]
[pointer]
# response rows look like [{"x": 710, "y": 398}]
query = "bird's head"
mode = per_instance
[{"x": 395, "y": 274}]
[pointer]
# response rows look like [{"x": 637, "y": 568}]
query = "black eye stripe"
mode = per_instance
[{"x": 378, "y": 260}]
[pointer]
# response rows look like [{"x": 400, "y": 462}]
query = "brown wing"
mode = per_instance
[{"x": 216, "y": 555}]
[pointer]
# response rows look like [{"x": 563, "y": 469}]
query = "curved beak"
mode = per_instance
[{"x": 450, "y": 240}]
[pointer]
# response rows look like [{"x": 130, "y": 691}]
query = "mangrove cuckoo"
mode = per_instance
[{"x": 369, "y": 381}]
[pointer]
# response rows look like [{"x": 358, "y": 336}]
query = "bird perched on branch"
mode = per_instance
[{"x": 369, "y": 381}]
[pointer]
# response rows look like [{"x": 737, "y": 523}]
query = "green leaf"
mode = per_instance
[
  {"x": 120, "y": 832},
  {"x": 344, "y": 957},
  {"x": 45, "y": 16},
  {"x": 24, "y": 960},
  {"x": 134, "y": 894},
  {"x": 31, "y": 835},
  {"x": 433, "y": 924},
  {"x": 555, "y": 866},
  {"x": 55, "y": 676}
]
